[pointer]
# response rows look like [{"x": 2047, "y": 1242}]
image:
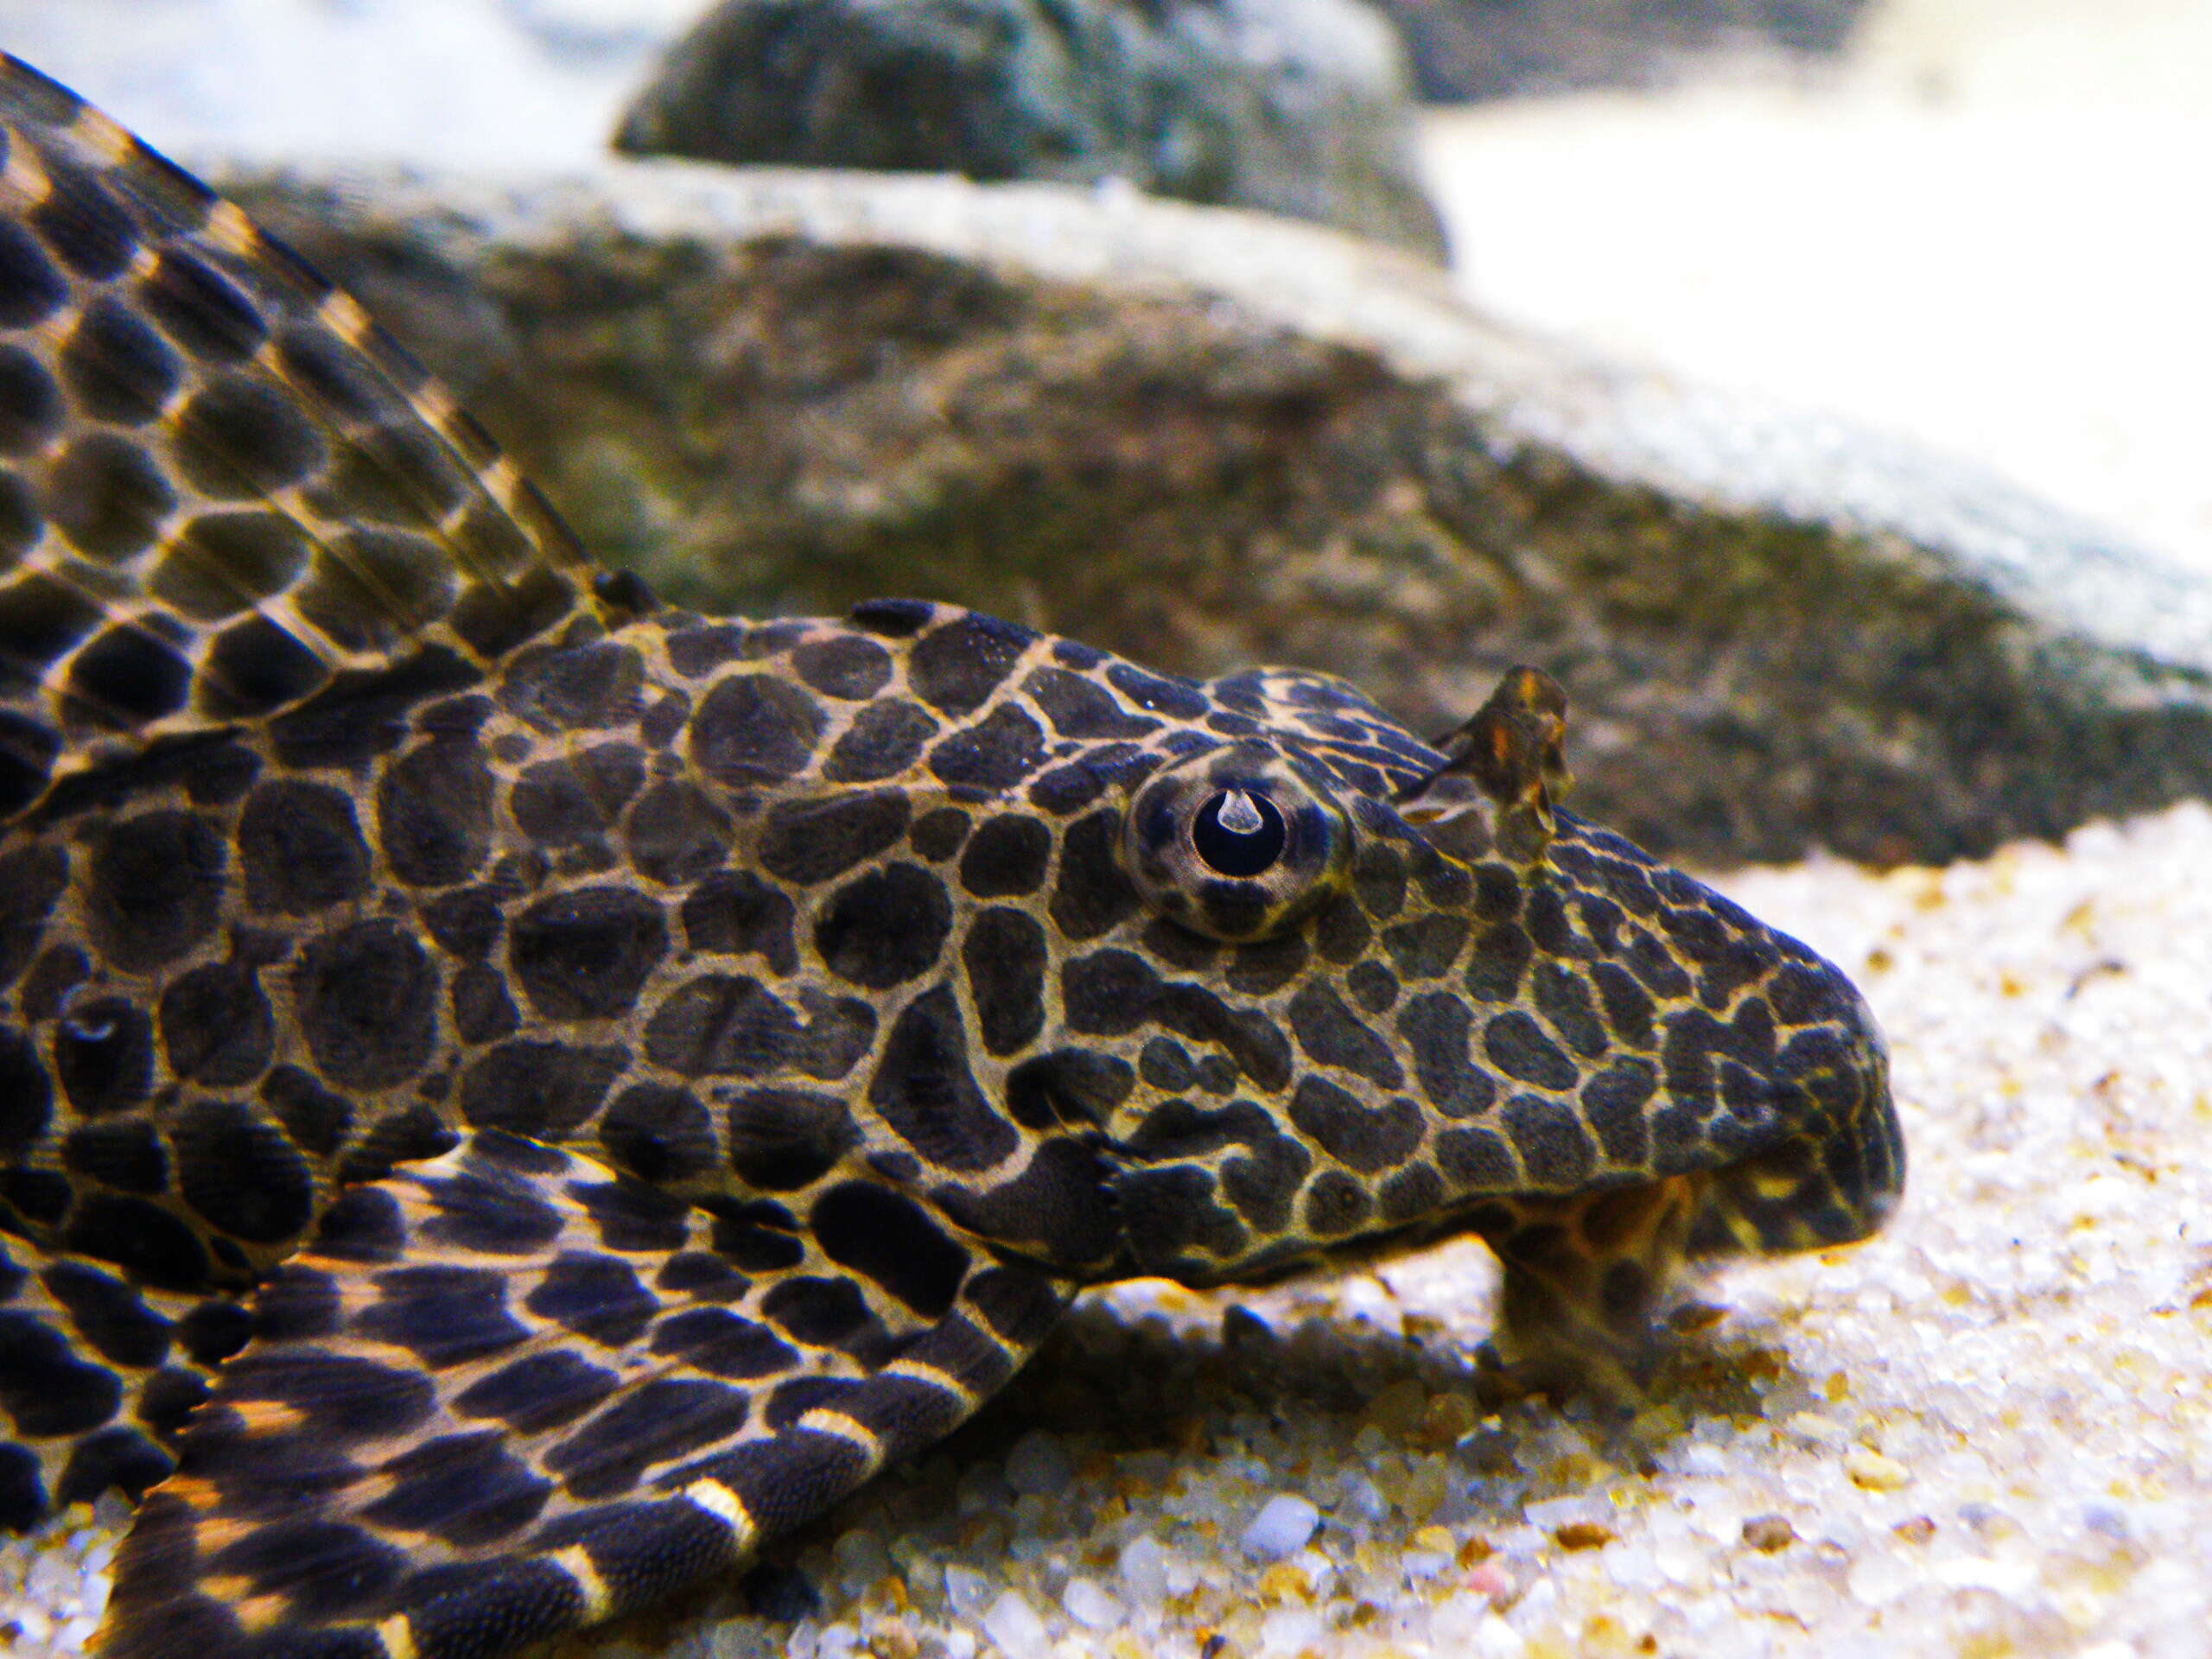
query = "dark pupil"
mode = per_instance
[{"x": 1241, "y": 847}]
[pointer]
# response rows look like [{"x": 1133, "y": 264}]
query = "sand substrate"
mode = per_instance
[{"x": 1988, "y": 1432}]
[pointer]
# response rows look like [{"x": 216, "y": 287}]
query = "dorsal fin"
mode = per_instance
[{"x": 222, "y": 487}]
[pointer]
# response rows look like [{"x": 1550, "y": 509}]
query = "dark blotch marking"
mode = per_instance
[
  {"x": 885, "y": 927},
  {"x": 925, "y": 1092},
  {"x": 1614, "y": 1102},
  {"x": 721, "y": 1343},
  {"x": 1373, "y": 986},
  {"x": 1553, "y": 1146},
  {"x": 127, "y": 1156},
  {"x": 937, "y": 836},
  {"x": 1411, "y": 1194},
  {"x": 1005, "y": 955},
  {"x": 1060, "y": 1209},
  {"x": 465, "y": 1489},
  {"x": 1262, "y": 1182},
  {"x": 1179, "y": 699},
  {"x": 434, "y": 813},
  {"x": 844, "y": 666},
  {"x": 542, "y": 1090},
  {"x": 538, "y": 1392},
  {"x": 1080, "y": 708},
  {"x": 1563, "y": 998},
  {"x": 811, "y": 841},
  {"x": 255, "y": 666},
  {"x": 323, "y": 1569},
  {"x": 1435, "y": 1026},
  {"x": 140, "y": 1238},
  {"x": 238, "y": 438},
  {"x": 315, "y": 1117},
  {"x": 1501, "y": 956},
  {"x": 1425, "y": 949},
  {"x": 1517, "y": 1046},
  {"x": 474, "y": 1609},
  {"x": 240, "y": 1174},
  {"x": 109, "y": 1315},
  {"x": 781, "y": 1140},
  {"x": 789, "y": 1480},
  {"x": 754, "y": 728},
  {"x": 954, "y": 668},
  {"x": 216, "y": 1025},
  {"x": 46, "y": 1388},
  {"x": 103, "y": 1055},
  {"x": 1020, "y": 1303},
  {"x": 1169, "y": 1217},
  {"x": 1378, "y": 877},
  {"x": 735, "y": 913},
  {"x": 1629, "y": 1008},
  {"x": 1068, "y": 1088},
  {"x": 490, "y": 1211},
  {"x": 565, "y": 688},
  {"x": 993, "y": 755},
  {"x": 1006, "y": 856},
  {"x": 585, "y": 955},
  {"x": 31, "y": 882},
  {"x": 367, "y": 999},
  {"x": 577, "y": 799},
  {"x": 892, "y": 1240},
  {"x": 132, "y": 674},
  {"x": 675, "y": 835},
  {"x": 482, "y": 1010},
  {"x": 106, "y": 495},
  {"x": 443, "y": 1315},
  {"x": 1336, "y": 1204},
  {"x": 30, "y": 404},
  {"x": 595, "y": 1296},
  {"x": 80, "y": 220},
  {"x": 1108, "y": 992},
  {"x": 301, "y": 848},
  {"x": 118, "y": 1457},
  {"x": 1477, "y": 1161},
  {"x": 30, "y": 287},
  {"x": 201, "y": 309},
  {"x": 466, "y": 924},
  {"x": 733, "y": 1025},
  {"x": 1092, "y": 895},
  {"x": 820, "y": 1312},
  {"x": 403, "y": 1137},
  {"x": 1362, "y": 1137},
  {"x": 658, "y": 1133},
  {"x": 117, "y": 368},
  {"x": 885, "y": 739},
  {"x": 1331, "y": 1034},
  {"x": 155, "y": 888}
]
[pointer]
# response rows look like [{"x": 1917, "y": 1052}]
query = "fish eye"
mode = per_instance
[
  {"x": 1239, "y": 832},
  {"x": 1235, "y": 842}
]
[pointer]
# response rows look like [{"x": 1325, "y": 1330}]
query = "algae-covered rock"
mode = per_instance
[
  {"x": 1300, "y": 107},
  {"x": 1209, "y": 439},
  {"x": 1468, "y": 50}
]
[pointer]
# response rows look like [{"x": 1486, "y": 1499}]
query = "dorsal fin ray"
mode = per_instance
[{"x": 222, "y": 487}]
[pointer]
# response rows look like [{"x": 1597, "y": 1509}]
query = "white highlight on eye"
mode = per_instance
[{"x": 1239, "y": 814}]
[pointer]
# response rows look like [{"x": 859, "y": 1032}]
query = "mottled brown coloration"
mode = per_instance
[{"x": 569, "y": 1089}]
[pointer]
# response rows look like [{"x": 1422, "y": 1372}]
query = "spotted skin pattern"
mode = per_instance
[{"x": 516, "y": 1096}]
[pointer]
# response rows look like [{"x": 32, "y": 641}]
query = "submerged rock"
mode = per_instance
[
  {"x": 1210, "y": 439},
  {"x": 1300, "y": 107},
  {"x": 1466, "y": 50}
]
